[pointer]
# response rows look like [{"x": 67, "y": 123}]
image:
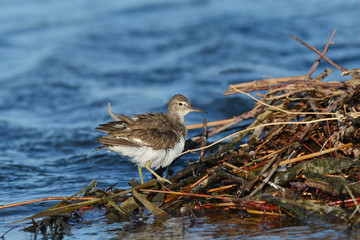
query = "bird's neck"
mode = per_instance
[
  {"x": 176, "y": 118},
  {"x": 178, "y": 121}
]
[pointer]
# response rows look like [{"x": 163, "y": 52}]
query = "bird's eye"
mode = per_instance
[{"x": 180, "y": 104}]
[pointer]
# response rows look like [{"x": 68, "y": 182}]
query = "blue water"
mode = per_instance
[{"x": 62, "y": 61}]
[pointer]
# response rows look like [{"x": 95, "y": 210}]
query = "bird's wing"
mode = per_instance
[
  {"x": 154, "y": 130},
  {"x": 154, "y": 138},
  {"x": 112, "y": 127},
  {"x": 111, "y": 140},
  {"x": 150, "y": 130}
]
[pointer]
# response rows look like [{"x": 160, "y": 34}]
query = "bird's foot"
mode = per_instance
[
  {"x": 163, "y": 180},
  {"x": 160, "y": 179}
]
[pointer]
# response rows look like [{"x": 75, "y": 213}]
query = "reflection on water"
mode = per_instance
[{"x": 222, "y": 225}]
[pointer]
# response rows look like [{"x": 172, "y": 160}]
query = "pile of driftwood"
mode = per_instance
[{"x": 299, "y": 157}]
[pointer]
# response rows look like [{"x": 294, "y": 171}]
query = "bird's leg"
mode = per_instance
[
  {"x": 160, "y": 179},
  {"x": 141, "y": 176}
]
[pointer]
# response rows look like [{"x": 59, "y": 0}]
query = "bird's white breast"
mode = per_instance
[{"x": 157, "y": 158}]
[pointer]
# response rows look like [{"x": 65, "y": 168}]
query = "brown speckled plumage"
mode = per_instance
[
  {"x": 150, "y": 140},
  {"x": 155, "y": 130}
]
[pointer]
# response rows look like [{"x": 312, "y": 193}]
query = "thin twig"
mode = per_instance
[
  {"x": 259, "y": 126},
  {"x": 319, "y": 53},
  {"x": 204, "y": 136},
  {"x": 279, "y": 109},
  {"x": 210, "y": 124},
  {"x": 251, "y": 184},
  {"x": 271, "y": 172},
  {"x": 46, "y": 199},
  {"x": 316, "y": 63},
  {"x": 357, "y": 208},
  {"x": 297, "y": 159},
  {"x": 187, "y": 194}
]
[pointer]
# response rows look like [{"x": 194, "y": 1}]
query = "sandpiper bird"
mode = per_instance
[{"x": 150, "y": 140}]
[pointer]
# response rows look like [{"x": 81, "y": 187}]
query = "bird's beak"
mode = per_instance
[{"x": 192, "y": 109}]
